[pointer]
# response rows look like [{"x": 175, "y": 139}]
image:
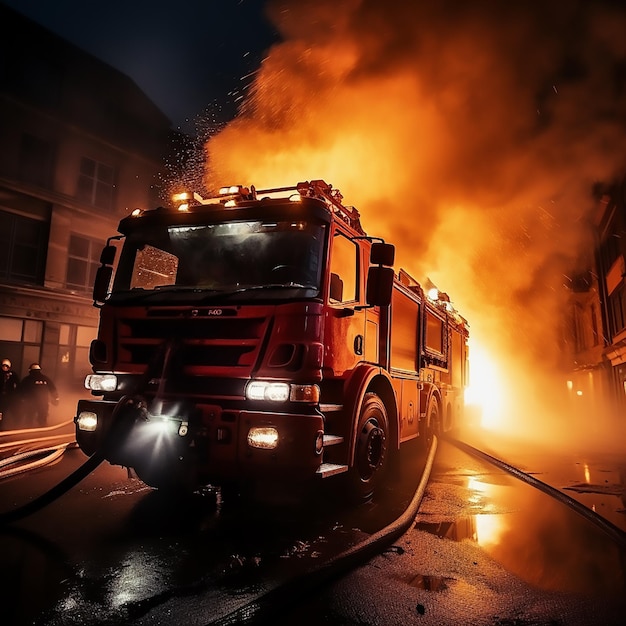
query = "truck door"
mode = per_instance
[{"x": 345, "y": 324}]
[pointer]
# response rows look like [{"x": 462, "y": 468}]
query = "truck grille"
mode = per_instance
[{"x": 230, "y": 344}]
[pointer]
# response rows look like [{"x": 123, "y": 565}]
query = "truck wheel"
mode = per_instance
[
  {"x": 431, "y": 425},
  {"x": 370, "y": 450}
]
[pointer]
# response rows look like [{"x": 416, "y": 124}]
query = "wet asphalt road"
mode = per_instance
[
  {"x": 485, "y": 549},
  {"x": 113, "y": 551}
]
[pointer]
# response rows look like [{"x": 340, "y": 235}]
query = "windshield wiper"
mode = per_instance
[
  {"x": 249, "y": 288},
  {"x": 139, "y": 293}
]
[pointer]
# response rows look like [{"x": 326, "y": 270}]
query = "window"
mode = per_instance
[
  {"x": 617, "y": 310},
  {"x": 594, "y": 326},
  {"x": 11, "y": 329},
  {"x": 20, "y": 341},
  {"x": 344, "y": 270},
  {"x": 73, "y": 355},
  {"x": 36, "y": 161},
  {"x": 82, "y": 262},
  {"x": 434, "y": 333},
  {"x": 404, "y": 338},
  {"x": 609, "y": 251},
  {"x": 96, "y": 184},
  {"x": 23, "y": 248}
]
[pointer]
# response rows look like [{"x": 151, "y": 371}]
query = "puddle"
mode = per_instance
[
  {"x": 458, "y": 530},
  {"x": 530, "y": 534},
  {"x": 431, "y": 583}
]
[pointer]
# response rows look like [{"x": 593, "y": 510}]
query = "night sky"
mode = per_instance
[{"x": 191, "y": 57}]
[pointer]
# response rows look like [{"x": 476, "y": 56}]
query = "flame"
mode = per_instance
[{"x": 486, "y": 391}]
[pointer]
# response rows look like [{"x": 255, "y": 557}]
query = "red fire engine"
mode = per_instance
[{"x": 263, "y": 336}]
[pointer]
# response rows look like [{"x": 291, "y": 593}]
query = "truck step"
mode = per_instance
[
  {"x": 332, "y": 440},
  {"x": 330, "y": 408},
  {"x": 330, "y": 469}
]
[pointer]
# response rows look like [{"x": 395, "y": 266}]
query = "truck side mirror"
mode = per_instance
[
  {"x": 103, "y": 275},
  {"x": 107, "y": 256},
  {"x": 379, "y": 285},
  {"x": 382, "y": 254},
  {"x": 101, "y": 284}
]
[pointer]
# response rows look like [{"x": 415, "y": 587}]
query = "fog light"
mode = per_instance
[
  {"x": 263, "y": 437},
  {"x": 87, "y": 421}
]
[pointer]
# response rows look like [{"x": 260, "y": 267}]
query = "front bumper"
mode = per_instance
[{"x": 215, "y": 439}]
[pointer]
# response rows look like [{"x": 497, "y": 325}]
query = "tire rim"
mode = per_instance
[{"x": 371, "y": 449}]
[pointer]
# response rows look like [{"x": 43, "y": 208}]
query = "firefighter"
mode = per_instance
[
  {"x": 36, "y": 391},
  {"x": 8, "y": 384}
]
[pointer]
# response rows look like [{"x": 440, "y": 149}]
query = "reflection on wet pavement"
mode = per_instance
[
  {"x": 591, "y": 475},
  {"x": 532, "y": 535}
]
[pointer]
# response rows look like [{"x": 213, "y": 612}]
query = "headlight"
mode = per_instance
[
  {"x": 281, "y": 392},
  {"x": 260, "y": 390},
  {"x": 87, "y": 421},
  {"x": 101, "y": 382}
]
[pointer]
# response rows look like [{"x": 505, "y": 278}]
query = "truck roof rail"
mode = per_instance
[{"x": 318, "y": 189}]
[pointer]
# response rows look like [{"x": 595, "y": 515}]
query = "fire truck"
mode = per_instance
[{"x": 261, "y": 337}]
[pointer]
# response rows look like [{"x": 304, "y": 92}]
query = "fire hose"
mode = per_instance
[
  {"x": 119, "y": 428},
  {"x": 53, "y": 453},
  {"x": 261, "y": 609},
  {"x": 614, "y": 532},
  {"x": 75, "y": 477}
]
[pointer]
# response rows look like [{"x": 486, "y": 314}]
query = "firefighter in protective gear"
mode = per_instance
[
  {"x": 36, "y": 391},
  {"x": 8, "y": 384}
]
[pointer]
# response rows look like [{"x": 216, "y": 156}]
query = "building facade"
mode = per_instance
[
  {"x": 597, "y": 334},
  {"x": 81, "y": 146},
  {"x": 611, "y": 271}
]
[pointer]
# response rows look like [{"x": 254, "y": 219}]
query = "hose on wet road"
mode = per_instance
[
  {"x": 287, "y": 594},
  {"x": 115, "y": 432},
  {"x": 614, "y": 532}
]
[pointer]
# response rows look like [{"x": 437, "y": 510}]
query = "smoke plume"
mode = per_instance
[{"x": 469, "y": 134}]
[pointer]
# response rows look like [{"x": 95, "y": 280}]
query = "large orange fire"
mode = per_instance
[{"x": 469, "y": 135}]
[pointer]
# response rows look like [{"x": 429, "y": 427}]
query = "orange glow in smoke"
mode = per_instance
[
  {"x": 452, "y": 150},
  {"x": 486, "y": 392}
]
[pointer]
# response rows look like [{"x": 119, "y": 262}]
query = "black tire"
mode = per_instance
[
  {"x": 371, "y": 453},
  {"x": 431, "y": 424}
]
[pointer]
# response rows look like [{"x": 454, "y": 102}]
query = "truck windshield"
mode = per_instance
[{"x": 232, "y": 256}]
